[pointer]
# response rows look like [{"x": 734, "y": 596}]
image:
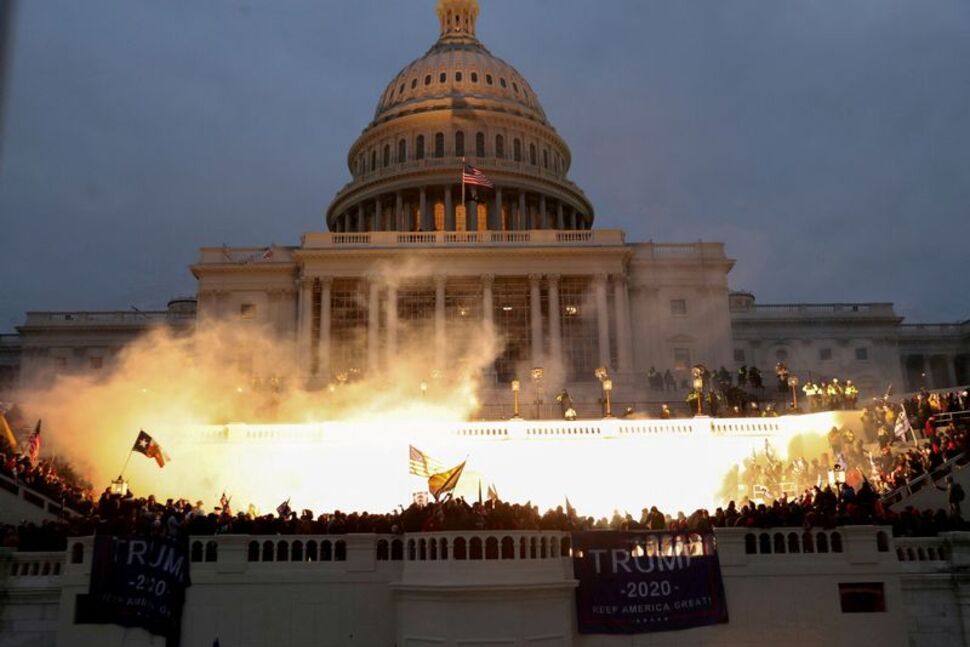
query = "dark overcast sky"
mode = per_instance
[{"x": 827, "y": 143}]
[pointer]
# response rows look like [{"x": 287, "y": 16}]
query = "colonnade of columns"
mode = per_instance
[
  {"x": 413, "y": 210},
  {"x": 320, "y": 363}
]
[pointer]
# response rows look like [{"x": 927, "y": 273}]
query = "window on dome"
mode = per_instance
[
  {"x": 419, "y": 148},
  {"x": 458, "y": 77},
  {"x": 459, "y": 144},
  {"x": 373, "y": 161},
  {"x": 532, "y": 155},
  {"x": 442, "y": 77},
  {"x": 400, "y": 90},
  {"x": 488, "y": 79},
  {"x": 474, "y": 77},
  {"x": 503, "y": 83},
  {"x": 439, "y": 145},
  {"x": 515, "y": 86},
  {"x": 499, "y": 147},
  {"x": 402, "y": 151},
  {"x": 480, "y": 145},
  {"x": 427, "y": 80},
  {"x": 387, "y": 155},
  {"x": 414, "y": 83},
  {"x": 545, "y": 159},
  {"x": 517, "y": 150}
]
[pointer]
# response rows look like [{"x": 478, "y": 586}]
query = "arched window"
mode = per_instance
[
  {"x": 419, "y": 148},
  {"x": 793, "y": 546},
  {"x": 77, "y": 553},
  {"x": 373, "y": 161},
  {"x": 387, "y": 155},
  {"x": 475, "y": 548},
  {"x": 340, "y": 551},
  {"x": 491, "y": 548},
  {"x": 499, "y": 147},
  {"x": 503, "y": 83},
  {"x": 822, "y": 542},
  {"x": 211, "y": 551},
  {"x": 750, "y": 544},
  {"x": 397, "y": 550},
  {"x": 439, "y": 145},
  {"x": 517, "y": 150},
  {"x": 480, "y": 145},
  {"x": 326, "y": 551},
  {"x": 442, "y": 77},
  {"x": 439, "y": 216},
  {"x": 311, "y": 551},
  {"x": 474, "y": 77},
  {"x": 545, "y": 159},
  {"x": 508, "y": 548},
  {"x": 195, "y": 554},
  {"x": 764, "y": 543},
  {"x": 460, "y": 144},
  {"x": 402, "y": 151},
  {"x": 779, "y": 543},
  {"x": 414, "y": 83},
  {"x": 488, "y": 79},
  {"x": 283, "y": 552},
  {"x": 267, "y": 551},
  {"x": 383, "y": 551},
  {"x": 459, "y": 549},
  {"x": 532, "y": 154},
  {"x": 482, "y": 216},
  {"x": 458, "y": 77},
  {"x": 400, "y": 90},
  {"x": 297, "y": 554},
  {"x": 427, "y": 80},
  {"x": 808, "y": 543}
]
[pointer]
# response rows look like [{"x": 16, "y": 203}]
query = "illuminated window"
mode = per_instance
[
  {"x": 681, "y": 358},
  {"x": 439, "y": 216},
  {"x": 678, "y": 307},
  {"x": 482, "y": 217},
  {"x": 460, "y": 220}
]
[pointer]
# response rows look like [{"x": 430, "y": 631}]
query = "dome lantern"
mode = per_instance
[{"x": 457, "y": 17}]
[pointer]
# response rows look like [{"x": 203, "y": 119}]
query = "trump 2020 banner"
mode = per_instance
[
  {"x": 639, "y": 582},
  {"x": 137, "y": 582}
]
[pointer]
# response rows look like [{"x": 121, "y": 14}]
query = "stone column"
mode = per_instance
[
  {"x": 449, "y": 209},
  {"x": 624, "y": 340},
  {"x": 495, "y": 218},
  {"x": 323, "y": 351},
  {"x": 560, "y": 218},
  {"x": 523, "y": 217},
  {"x": 488, "y": 302},
  {"x": 541, "y": 222},
  {"x": 572, "y": 219},
  {"x": 391, "y": 323},
  {"x": 555, "y": 328},
  {"x": 440, "y": 281},
  {"x": 427, "y": 224},
  {"x": 361, "y": 225},
  {"x": 373, "y": 325},
  {"x": 306, "y": 322},
  {"x": 602, "y": 319},
  {"x": 377, "y": 214},
  {"x": 471, "y": 216},
  {"x": 398, "y": 212},
  {"x": 535, "y": 308}
]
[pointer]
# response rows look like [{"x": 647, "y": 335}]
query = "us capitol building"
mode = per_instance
[{"x": 409, "y": 254}]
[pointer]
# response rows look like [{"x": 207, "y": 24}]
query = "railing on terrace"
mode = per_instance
[
  {"x": 929, "y": 479},
  {"x": 380, "y": 239},
  {"x": 108, "y": 318},
  {"x": 34, "y": 564},
  {"x": 33, "y": 497},
  {"x": 816, "y": 309},
  {"x": 921, "y": 549},
  {"x": 933, "y": 330}
]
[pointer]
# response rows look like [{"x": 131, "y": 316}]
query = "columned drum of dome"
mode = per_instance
[{"x": 459, "y": 103}]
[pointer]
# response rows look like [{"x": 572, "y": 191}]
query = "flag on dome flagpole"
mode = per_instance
[
  {"x": 471, "y": 175},
  {"x": 446, "y": 481},
  {"x": 146, "y": 445},
  {"x": 33, "y": 444},
  {"x": 420, "y": 464}
]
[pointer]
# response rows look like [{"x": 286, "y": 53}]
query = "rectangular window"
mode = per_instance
[
  {"x": 681, "y": 358},
  {"x": 739, "y": 355},
  {"x": 862, "y": 597},
  {"x": 678, "y": 307},
  {"x": 247, "y": 311},
  {"x": 95, "y": 363},
  {"x": 862, "y": 354},
  {"x": 825, "y": 354}
]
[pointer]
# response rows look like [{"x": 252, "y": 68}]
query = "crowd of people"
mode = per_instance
[{"x": 843, "y": 486}]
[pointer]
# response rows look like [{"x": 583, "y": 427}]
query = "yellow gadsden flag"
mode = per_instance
[
  {"x": 445, "y": 482},
  {"x": 5, "y": 431}
]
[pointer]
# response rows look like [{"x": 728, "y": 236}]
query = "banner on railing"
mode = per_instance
[
  {"x": 137, "y": 582},
  {"x": 639, "y": 582}
]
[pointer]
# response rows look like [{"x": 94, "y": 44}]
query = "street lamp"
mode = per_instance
[
  {"x": 424, "y": 388},
  {"x": 537, "y": 374},
  {"x": 793, "y": 383},
  {"x": 515, "y": 400},
  {"x": 603, "y": 375},
  {"x": 697, "y": 372}
]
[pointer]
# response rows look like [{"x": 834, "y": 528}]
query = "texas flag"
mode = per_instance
[{"x": 146, "y": 445}]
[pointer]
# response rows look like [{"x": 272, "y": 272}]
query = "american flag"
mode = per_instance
[
  {"x": 471, "y": 175},
  {"x": 421, "y": 464}
]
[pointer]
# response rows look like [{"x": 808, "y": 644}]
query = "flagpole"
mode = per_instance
[
  {"x": 463, "y": 190},
  {"x": 125, "y": 466}
]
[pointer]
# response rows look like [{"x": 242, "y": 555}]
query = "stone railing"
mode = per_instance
[
  {"x": 834, "y": 310},
  {"x": 34, "y": 498},
  {"x": 397, "y": 239},
  {"x": 125, "y": 317},
  {"x": 921, "y": 549},
  {"x": 32, "y": 565}
]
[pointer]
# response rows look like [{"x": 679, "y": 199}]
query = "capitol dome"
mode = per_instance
[{"x": 458, "y": 104}]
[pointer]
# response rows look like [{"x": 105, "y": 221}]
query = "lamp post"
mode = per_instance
[
  {"x": 424, "y": 388},
  {"x": 603, "y": 375},
  {"x": 793, "y": 383},
  {"x": 697, "y": 372},
  {"x": 515, "y": 400},
  {"x": 537, "y": 374}
]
